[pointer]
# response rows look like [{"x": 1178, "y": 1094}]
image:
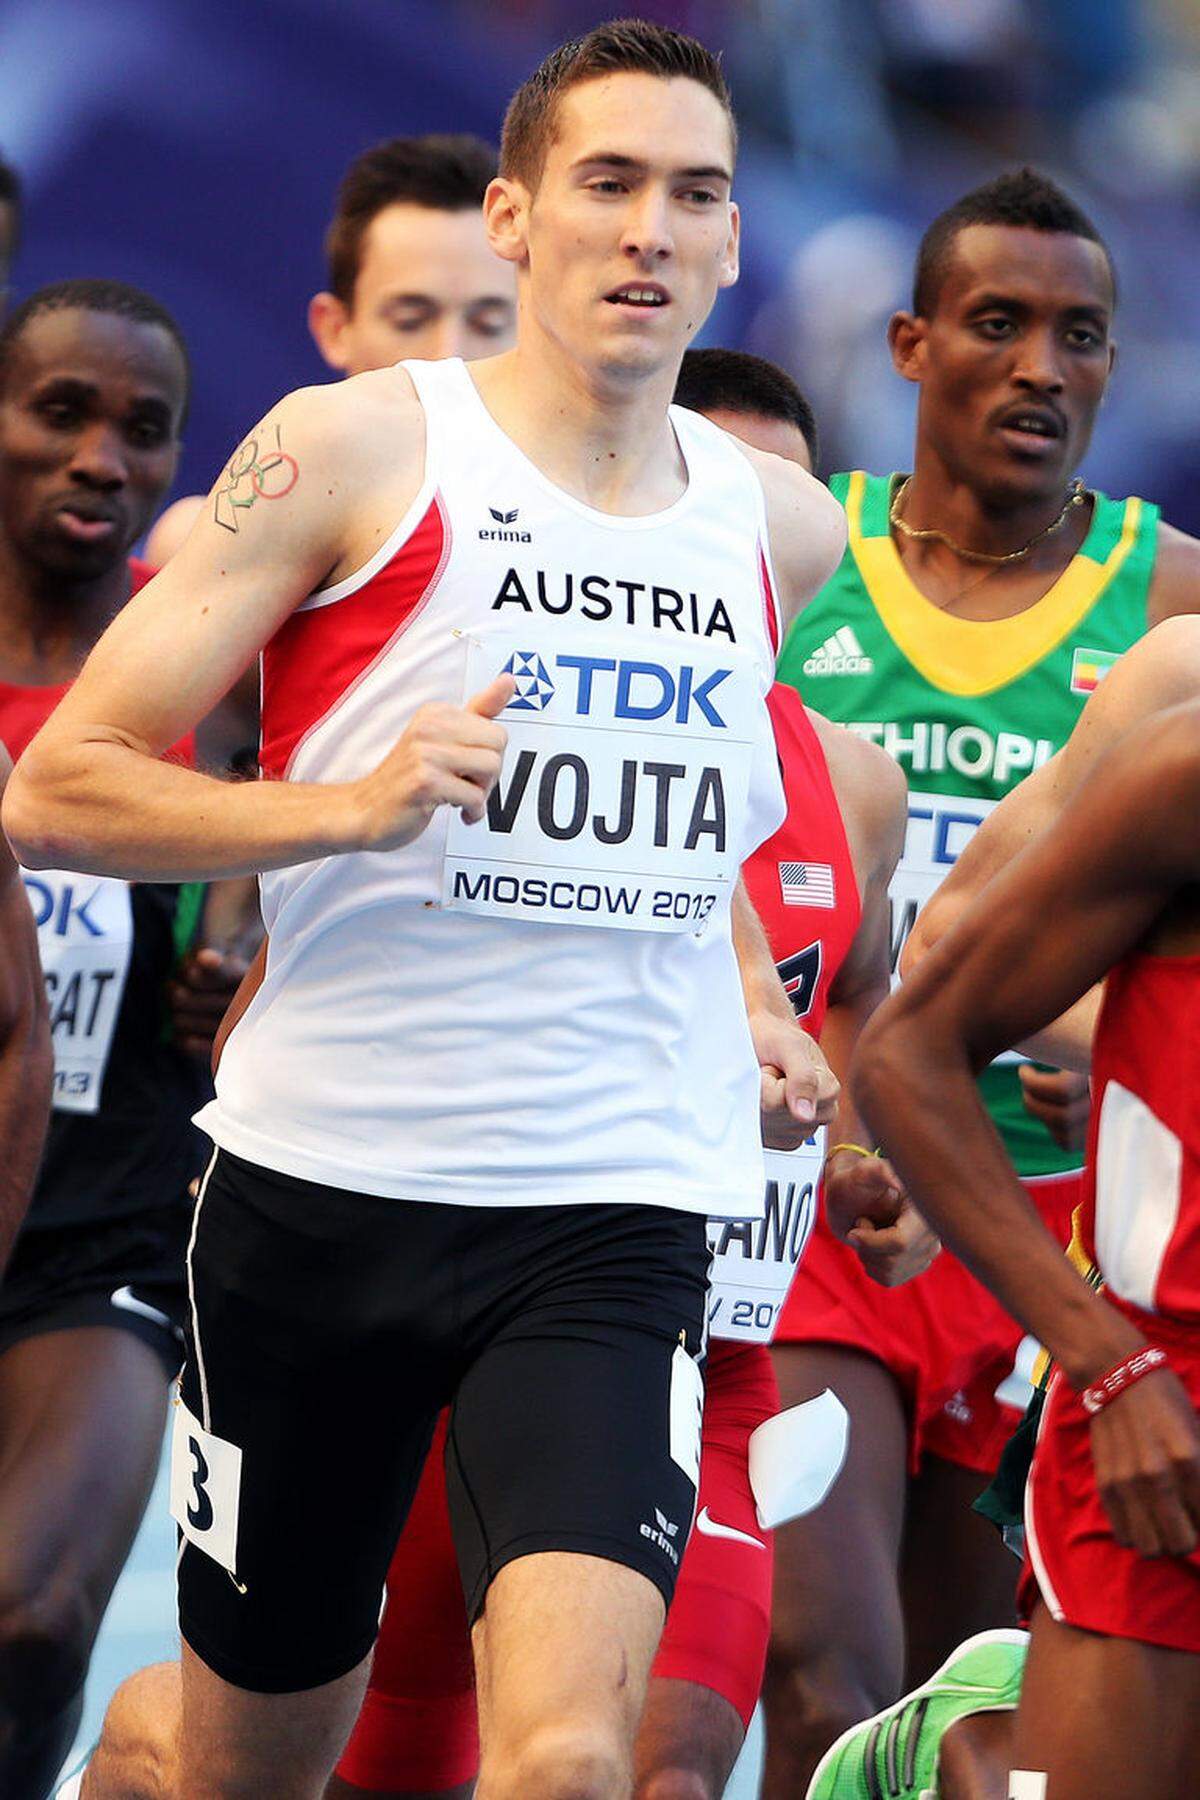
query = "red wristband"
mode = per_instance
[{"x": 1142, "y": 1362}]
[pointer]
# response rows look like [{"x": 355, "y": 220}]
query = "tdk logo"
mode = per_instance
[
  {"x": 622, "y": 690},
  {"x": 64, "y": 911},
  {"x": 661, "y": 1533},
  {"x": 506, "y": 536},
  {"x": 534, "y": 686}
]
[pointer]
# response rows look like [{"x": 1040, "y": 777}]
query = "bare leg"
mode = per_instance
[
  {"x": 562, "y": 1655},
  {"x": 81, "y": 1422},
  {"x": 957, "y": 1578},
  {"x": 687, "y": 1744},
  {"x": 235, "y": 1745},
  {"x": 837, "y": 1644},
  {"x": 138, "y": 1753},
  {"x": 1105, "y": 1718},
  {"x": 976, "y": 1755}
]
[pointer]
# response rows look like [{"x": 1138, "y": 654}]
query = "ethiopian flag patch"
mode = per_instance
[{"x": 1089, "y": 667}]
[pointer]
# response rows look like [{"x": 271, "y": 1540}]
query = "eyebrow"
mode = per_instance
[
  {"x": 1092, "y": 309},
  {"x": 611, "y": 159}
]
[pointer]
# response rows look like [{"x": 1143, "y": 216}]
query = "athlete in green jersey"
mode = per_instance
[{"x": 980, "y": 600}]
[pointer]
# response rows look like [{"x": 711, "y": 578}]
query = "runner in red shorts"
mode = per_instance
[
  {"x": 820, "y": 888},
  {"x": 1111, "y": 1702}
]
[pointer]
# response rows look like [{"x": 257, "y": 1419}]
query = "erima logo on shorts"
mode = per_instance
[
  {"x": 662, "y": 1534},
  {"x": 636, "y": 690},
  {"x": 841, "y": 654},
  {"x": 507, "y": 535}
]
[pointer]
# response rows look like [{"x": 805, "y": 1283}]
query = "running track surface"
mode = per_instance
[{"x": 139, "y": 1628}]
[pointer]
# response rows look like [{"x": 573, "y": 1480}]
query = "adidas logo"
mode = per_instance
[
  {"x": 841, "y": 654},
  {"x": 506, "y": 536}
]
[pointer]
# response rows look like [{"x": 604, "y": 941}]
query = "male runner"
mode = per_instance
[
  {"x": 1111, "y": 1700},
  {"x": 93, "y": 388},
  {"x": 976, "y": 607},
  {"x": 10, "y": 225},
  {"x": 630, "y": 558},
  {"x": 411, "y": 273}
]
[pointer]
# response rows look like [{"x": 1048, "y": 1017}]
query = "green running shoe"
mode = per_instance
[{"x": 894, "y": 1756}]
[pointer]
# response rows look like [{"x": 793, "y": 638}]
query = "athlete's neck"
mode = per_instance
[
  {"x": 49, "y": 624},
  {"x": 988, "y": 524},
  {"x": 606, "y": 441}
]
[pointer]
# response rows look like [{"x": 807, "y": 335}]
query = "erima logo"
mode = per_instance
[
  {"x": 505, "y": 537},
  {"x": 534, "y": 686},
  {"x": 841, "y": 654},
  {"x": 661, "y": 1534}
]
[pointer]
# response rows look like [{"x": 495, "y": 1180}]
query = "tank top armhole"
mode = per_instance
[
  {"x": 806, "y": 730},
  {"x": 410, "y": 519}
]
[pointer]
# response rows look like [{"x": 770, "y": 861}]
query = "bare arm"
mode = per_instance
[
  {"x": 806, "y": 525},
  {"x": 1096, "y": 881},
  {"x": 865, "y": 1203},
  {"x": 1162, "y": 670},
  {"x": 798, "y": 1089},
  {"x": 26, "y": 1057},
  {"x": 90, "y": 792}
]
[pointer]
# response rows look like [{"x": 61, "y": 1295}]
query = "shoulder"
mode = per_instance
[
  {"x": 806, "y": 525},
  {"x": 872, "y": 793},
  {"x": 355, "y": 425},
  {"x": 1175, "y": 584}
]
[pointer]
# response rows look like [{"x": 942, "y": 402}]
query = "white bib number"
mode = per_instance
[
  {"x": 754, "y": 1259},
  {"x": 622, "y": 800},
  {"x": 940, "y": 826},
  {"x": 85, "y": 939},
  {"x": 206, "y": 1486}
]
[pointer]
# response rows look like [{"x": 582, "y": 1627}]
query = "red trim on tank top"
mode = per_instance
[
  {"x": 317, "y": 658},
  {"x": 770, "y": 604}
]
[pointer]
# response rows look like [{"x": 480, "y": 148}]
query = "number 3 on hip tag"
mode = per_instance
[{"x": 206, "y": 1485}]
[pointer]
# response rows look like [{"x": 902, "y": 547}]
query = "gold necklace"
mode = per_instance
[{"x": 918, "y": 533}]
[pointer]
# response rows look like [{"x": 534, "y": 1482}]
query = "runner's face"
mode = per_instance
[
  {"x": 1015, "y": 359},
  {"x": 776, "y": 436},
  {"x": 89, "y": 435},
  {"x": 633, "y": 201},
  {"x": 429, "y": 285}
]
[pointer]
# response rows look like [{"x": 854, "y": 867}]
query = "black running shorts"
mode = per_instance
[
  {"x": 329, "y": 1329},
  {"x": 125, "y": 1272}
]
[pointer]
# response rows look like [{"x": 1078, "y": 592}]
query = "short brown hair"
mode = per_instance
[
  {"x": 443, "y": 172},
  {"x": 621, "y": 44}
]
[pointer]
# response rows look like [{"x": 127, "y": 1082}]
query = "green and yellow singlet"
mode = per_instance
[{"x": 966, "y": 707}]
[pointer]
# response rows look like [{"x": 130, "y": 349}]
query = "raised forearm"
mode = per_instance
[
  {"x": 108, "y": 809},
  {"x": 761, "y": 986},
  {"x": 952, "y": 1162},
  {"x": 1067, "y": 1043}
]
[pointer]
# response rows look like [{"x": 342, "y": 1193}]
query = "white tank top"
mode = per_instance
[{"x": 544, "y": 1007}]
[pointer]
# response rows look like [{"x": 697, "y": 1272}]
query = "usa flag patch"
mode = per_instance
[{"x": 806, "y": 884}]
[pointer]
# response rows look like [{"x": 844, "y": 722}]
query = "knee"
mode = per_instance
[
  {"x": 558, "y": 1762},
  {"x": 676, "y": 1784},
  {"x": 135, "y": 1758},
  {"x": 810, "y": 1699},
  {"x": 46, "y": 1636}
]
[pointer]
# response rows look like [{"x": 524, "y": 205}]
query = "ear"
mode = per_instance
[
  {"x": 505, "y": 214},
  {"x": 730, "y": 265},
  {"x": 327, "y": 320},
  {"x": 907, "y": 334}
]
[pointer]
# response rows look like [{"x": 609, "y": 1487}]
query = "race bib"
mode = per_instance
[
  {"x": 754, "y": 1259},
  {"x": 622, "y": 800},
  {"x": 85, "y": 939},
  {"x": 206, "y": 1488}
]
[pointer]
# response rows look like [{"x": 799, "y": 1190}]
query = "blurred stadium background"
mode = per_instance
[{"x": 193, "y": 147}]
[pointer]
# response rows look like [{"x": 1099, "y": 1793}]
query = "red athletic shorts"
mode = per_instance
[
  {"x": 948, "y": 1343},
  {"x": 417, "y": 1728},
  {"x": 1072, "y": 1559}
]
